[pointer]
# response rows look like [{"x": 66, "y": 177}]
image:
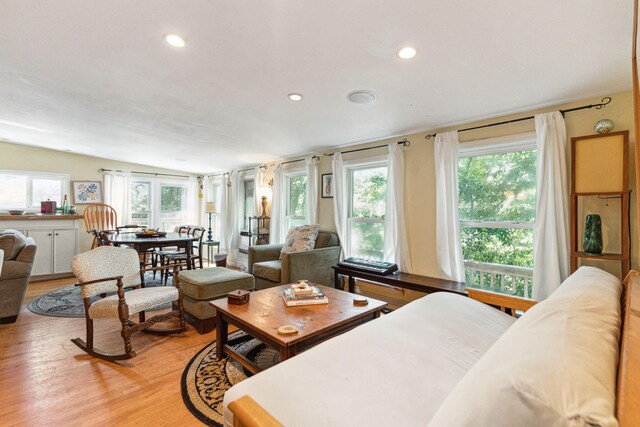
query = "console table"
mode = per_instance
[{"x": 401, "y": 280}]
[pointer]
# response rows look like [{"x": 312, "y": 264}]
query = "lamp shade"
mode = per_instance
[{"x": 210, "y": 207}]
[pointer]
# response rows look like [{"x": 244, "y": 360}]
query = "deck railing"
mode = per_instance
[{"x": 517, "y": 280}]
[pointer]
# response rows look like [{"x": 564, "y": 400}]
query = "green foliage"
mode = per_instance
[
  {"x": 297, "y": 196},
  {"x": 368, "y": 201},
  {"x": 499, "y": 187},
  {"x": 171, "y": 198},
  {"x": 140, "y": 196}
]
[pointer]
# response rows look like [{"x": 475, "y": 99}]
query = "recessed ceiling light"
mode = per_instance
[
  {"x": 174, "y": 40},
  {"x": 295, "y": 97},
  {"x": 361, "y": 96},
  {"x": 407, "y": 52}
]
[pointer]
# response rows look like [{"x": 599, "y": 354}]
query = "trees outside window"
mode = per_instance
[
  {"x": 141, "y": 203},
  {"x": 497, "y": 199},
  {"x": 296, "y": 187},
  {"x": 367, "y": 187},
  {"x": 159, "y": 204}
]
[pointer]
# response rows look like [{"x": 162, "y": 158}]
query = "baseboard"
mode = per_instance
[{"x": 44, "y": 277}]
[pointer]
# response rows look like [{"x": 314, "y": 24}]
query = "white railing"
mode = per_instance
[{"x": 517, "y": 280}]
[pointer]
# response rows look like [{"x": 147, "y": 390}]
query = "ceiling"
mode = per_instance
[{"x": 96, "y": 77}]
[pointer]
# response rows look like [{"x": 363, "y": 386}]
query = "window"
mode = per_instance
[
  {"x": 159, "y": 204},
  {"x": 141, "y": 203},
  {"x": 24, "y": 189},
  {"x": 367, "y": 199},
  {"x": 296, "y": 197},
  {"x": 497, "y": 199},
  {"x": 248, "y": 207},
  {"x": 215, "y": 195},
  {"x": 173, "y": 206}
]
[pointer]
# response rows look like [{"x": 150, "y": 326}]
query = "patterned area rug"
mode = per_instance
[
  {"x": 206, "y": 379},
  {"x": 67, "y": 301}
]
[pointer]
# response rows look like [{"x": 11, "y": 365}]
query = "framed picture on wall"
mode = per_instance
[
  {"x": 327, "y": 186},
  {"x": 85, "y": 192}
]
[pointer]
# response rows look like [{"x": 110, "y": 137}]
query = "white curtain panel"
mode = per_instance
[
  {"x": 117, "y": 194},
  {"x": 202, "y": 203},
  {"x": 258, "y": 190},
  {"x": 312, "y": 190},
  {"x": 339, "y": 200},
  {"x": 396, "y": 246},
  {"x": 551, "y": 232},
  {"x": 278, "y": 218},
  {"x": 448, "y": 244},
  {"x": 230, "y": 217},
  {"x": 193, "y": 202}
]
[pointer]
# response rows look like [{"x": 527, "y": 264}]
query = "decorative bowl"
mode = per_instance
[{"x": 17, "y": 211}]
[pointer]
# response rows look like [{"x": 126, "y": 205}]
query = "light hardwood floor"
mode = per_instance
[{"x": 46, "y": 380}]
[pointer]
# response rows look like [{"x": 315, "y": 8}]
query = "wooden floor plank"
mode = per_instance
[{"x": 46, "y": 380}]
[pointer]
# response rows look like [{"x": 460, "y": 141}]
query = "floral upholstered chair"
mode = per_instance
[{"x": 108, "y": 269}]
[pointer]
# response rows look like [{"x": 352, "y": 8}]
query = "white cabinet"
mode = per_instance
[
  {"x": 43, "y": 263},
  {"x": 57, "y": 241},
  {"x": 65, "y": 247}
]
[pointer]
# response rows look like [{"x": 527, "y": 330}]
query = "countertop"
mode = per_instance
[{"x": 38, "y": 217}]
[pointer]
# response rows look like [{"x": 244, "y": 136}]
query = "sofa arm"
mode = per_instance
[
  {"x": 262, "y": 253},
  {"x": 314, "y": 265},
  {"x": 507, "y": 302},
  {"x": 28, "y": 254}
]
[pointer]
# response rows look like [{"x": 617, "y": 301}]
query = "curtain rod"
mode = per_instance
[
  {"x": 241, "y": 170},
  {"x": 144, "y": 173},
  {"x": 606, "y": 100},
  {"x": 405, "y": 142},
  {"x": 299, "y": 160}
]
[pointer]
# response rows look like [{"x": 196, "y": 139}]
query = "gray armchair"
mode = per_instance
[
  {"x": 314, "y": 265},
  {"x": 19, "y": 252}
]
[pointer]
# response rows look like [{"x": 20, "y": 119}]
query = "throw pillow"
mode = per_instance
[{"x": 301, "y": 238}]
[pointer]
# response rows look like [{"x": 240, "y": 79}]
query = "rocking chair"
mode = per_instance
[{"x": 107, "y": 269}]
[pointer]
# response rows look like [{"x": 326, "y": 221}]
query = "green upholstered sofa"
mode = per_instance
[
  {"x": 19, "y": 253},
  {"x": 314, "y": 265}
]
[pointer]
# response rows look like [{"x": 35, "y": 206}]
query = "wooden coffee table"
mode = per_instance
[{"x": 266, "y": 312}]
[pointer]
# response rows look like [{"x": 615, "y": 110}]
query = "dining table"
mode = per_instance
[{"x": 143, "y": 244}]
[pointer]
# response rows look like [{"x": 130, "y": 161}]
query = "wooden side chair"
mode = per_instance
[
  {"x": 98, "y": 216},
  {"x": 179, "y": 259},
  {"x": 108, "y": 269}
]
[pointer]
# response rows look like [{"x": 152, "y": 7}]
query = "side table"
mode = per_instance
[{"x": 210, "y": 246}]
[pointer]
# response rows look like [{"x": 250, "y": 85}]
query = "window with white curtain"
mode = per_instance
[
  {"x": 296, "y": 199},
  {"x": 159, "y": 203},
  {"x": 215, "y": 195},
  {"x": 366, "y": 191},
  {"x": 497, "y": 200},
  {"x": 26, "y": 189},
  {"x": 247, "y": 207}
]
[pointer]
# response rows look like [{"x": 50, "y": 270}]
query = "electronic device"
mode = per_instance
[{"x": 375, "y": 267}]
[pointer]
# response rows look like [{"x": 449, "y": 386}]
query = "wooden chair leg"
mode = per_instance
[{"x": 141, "y": 317}]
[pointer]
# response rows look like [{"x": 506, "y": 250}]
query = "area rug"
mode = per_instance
[
  {"x": 67, "y": 301},
  {"x": 206, "y": 379}
]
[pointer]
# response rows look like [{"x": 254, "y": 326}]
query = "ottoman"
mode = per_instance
[{"x": 204, "y": 285}]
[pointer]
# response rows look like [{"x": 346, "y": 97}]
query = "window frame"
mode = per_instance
[
  {"x": 155, "y": 198},
  {"x": 490, "y": 147},
  {"x": 30, "y": 175},
  {"x": 287, "y": 180},
  {"x": 349, "y": 168},
  {"x": 242, "y": 202}
]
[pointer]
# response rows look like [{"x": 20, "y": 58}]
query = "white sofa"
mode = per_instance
[{"x": 447, "y": 360}]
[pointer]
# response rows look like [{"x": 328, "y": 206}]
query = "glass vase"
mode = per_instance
[{"x": 592, "y": 243}]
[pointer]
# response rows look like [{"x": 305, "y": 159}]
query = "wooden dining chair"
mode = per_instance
[
  {"x": 98, "y": 216},
  {"x": 179, "y": 259}
]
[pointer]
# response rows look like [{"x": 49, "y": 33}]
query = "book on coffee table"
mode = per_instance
[{"x": 316, "y": 297}]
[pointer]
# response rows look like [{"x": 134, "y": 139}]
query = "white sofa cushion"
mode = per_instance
[
  {"x": 393, "y": 371},
  {"x": 555, "y": 367}
]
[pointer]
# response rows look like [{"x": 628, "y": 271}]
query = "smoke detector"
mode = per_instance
[{"x": 361, "y": 97}]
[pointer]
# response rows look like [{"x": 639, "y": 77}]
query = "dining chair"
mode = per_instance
[
  {"x": 180, "y": 258},
  {"x": 109, "y": 269},
  {"x": 99, "y": 216}
]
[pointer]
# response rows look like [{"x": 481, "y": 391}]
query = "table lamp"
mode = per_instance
[{"x": 210, "y": 208}]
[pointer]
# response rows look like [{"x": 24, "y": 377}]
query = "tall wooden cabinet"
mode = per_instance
[{"x": 600, "y": 169}]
